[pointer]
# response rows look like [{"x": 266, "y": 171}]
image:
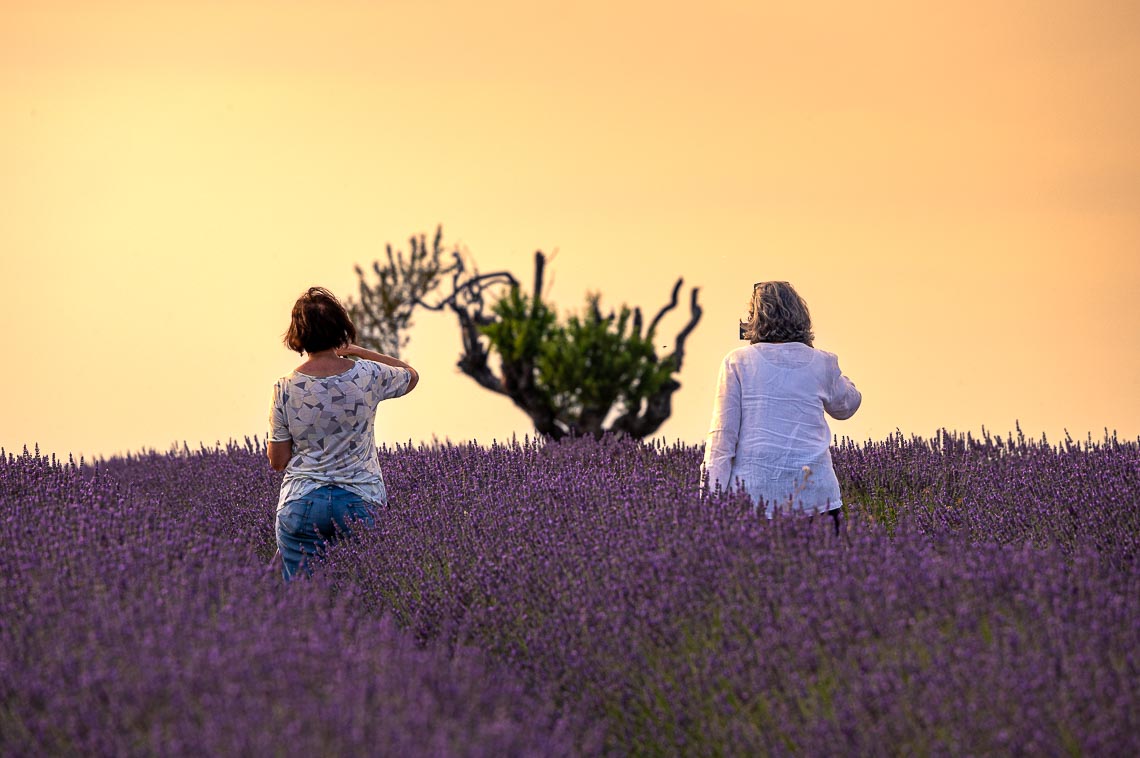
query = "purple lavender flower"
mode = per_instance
[{"x": 579, "y": 598}]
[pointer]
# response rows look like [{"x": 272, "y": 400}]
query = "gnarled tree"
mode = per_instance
[{"x": 569, "y": 378}]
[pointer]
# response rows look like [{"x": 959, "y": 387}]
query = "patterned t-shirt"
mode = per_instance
[{"x": 332, "y": 421}]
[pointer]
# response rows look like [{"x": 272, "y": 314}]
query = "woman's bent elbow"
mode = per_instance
[
  {"x": 279, "y": 454},
  {"x": 846, "y": 411}
]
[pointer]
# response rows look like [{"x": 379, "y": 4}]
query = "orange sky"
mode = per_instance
[{"x": 954, "y": 190}]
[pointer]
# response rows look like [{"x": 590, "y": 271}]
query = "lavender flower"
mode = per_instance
[{"x": 579, "y": 598}]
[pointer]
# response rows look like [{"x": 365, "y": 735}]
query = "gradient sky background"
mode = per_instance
[{"x": 953, "y": 187}]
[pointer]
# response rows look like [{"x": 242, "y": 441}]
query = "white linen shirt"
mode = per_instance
[{"x": 768, "y": 428}]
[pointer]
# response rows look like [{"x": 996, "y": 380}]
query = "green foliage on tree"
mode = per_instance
[
  {"x": 585, "y": 367},
  {"x": 522, "y": 327},
  {"x": 571, "y": 378}
]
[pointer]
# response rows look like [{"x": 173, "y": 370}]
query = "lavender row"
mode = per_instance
[
  {"x": 1010, "y": 491},
  {"x": 690, "y": 626},
  {"x": 982, "y": 597},
  {"x": 137, "y": 620}
]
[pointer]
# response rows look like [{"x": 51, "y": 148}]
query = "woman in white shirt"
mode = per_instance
[
  {"x": 322, "y": 430},
  {"x": 768, "y": 430}
]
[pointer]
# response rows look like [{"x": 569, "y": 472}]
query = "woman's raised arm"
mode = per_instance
[{"x": 371, "y": 355}]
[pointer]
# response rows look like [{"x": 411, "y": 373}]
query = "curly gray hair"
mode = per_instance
[{"x": 777, "y": 313}]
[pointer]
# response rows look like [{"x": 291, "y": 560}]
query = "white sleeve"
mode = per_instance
[
  {"x": 841, "y": 399},
  {"x": 392, "y": 381},
  {"x": 278, "y": 417},
  {"x": 724, "y": 430}
]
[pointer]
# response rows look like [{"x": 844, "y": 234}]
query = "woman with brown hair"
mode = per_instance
[
  {"x": 322, "y": 429},
  {"x": 768, "y": 428}
]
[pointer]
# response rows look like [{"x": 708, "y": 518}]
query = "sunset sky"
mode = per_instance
[{"x": 954, "y": 188}]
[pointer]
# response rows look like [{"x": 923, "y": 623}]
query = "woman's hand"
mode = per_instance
[{"x": 348, "y": 350}]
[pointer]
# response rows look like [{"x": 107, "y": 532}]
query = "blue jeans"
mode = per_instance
[{"x": 307, "y": 524}]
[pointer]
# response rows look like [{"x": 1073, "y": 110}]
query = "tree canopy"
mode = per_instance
[{"x": 588, "y": 375}]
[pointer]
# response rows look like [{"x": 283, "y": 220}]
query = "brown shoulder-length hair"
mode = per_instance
[
  {"x": 777, "y": 313},
  {"x": 319, "y": 322}
]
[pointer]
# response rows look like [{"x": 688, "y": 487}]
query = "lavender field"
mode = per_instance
[{"x": 579, "y": 598}]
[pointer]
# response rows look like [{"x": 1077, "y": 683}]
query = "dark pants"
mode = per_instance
[{"x": 836, "y": 516}]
